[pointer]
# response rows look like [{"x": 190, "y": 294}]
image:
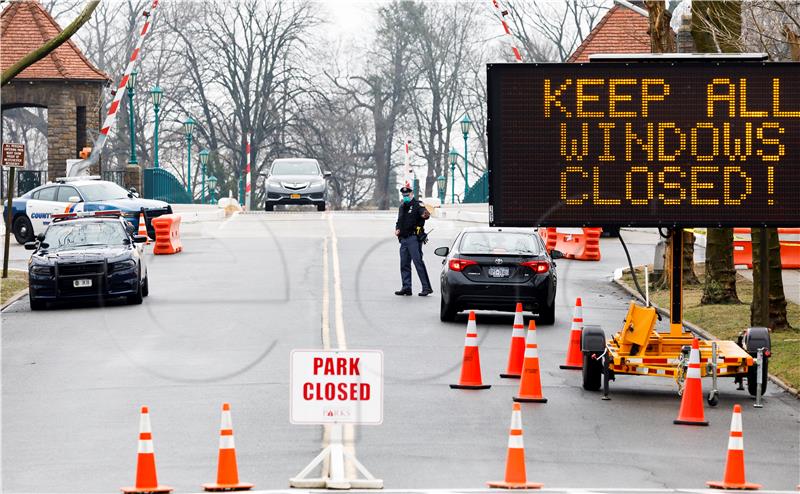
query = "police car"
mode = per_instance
[
  {"x": 93, "y": 256},
  {"x": 32, "y": 212}
]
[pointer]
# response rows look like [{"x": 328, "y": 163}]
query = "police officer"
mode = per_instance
[{"x": 411, "y": 223}]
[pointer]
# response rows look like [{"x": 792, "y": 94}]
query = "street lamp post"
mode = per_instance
[
  {"x": 453, "y": 158},
  {"x": 130, "y": 84},
  {"x": 441, "y": 182},
  {"x": 156, "y": 94},
  {"x": 212, "y": 185},
  {"x": 188, "y": 127},
  {"x": 465, "y": 125},
  {"x": 204, "y": 162}
]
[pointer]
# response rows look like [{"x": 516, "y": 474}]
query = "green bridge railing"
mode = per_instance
[
  {"x": 162, "y": 185},
  {"x": 479, "y": 192}
]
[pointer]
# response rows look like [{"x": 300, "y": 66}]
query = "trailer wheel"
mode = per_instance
[
  {"x": 713, "y": 398},
  {"x": 752, "y": 378},
  {"x": 592, "y": 372},
  {"x": 754, "y": 339}
]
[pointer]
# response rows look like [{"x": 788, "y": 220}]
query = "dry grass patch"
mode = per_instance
[{"x": 17, "y": 280}]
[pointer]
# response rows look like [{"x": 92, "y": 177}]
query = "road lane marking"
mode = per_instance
[
  {"x": 337, "y": 287},
  {"x": 341, "y": 340},
  {"x": 326, "y": 298}
]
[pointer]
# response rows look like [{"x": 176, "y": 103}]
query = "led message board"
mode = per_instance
[{"x": 644, "y": 144}]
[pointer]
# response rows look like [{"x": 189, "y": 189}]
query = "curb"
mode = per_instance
[
  {"x": 698, "y": 331},
  {"x": 14, "y": 298}
]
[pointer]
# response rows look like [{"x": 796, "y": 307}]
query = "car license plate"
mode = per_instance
[
  {"x": 501, "y": 272},
  {"x": 82, "y": 283},
  {"x": 295, "y": 196}
]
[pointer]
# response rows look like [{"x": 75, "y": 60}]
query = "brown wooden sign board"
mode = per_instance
[{"x": 14, "y": 155}]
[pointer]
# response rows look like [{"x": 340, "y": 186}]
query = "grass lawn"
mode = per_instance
[
  {"x": 727, "y": 321},
  {"x": 16, "y": 281}
]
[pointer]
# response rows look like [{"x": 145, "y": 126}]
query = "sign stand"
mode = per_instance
[
  {"x": 8, "y": 220},
  {"x": 335, "y": 454},
  {"x": 13, "y": 156}
]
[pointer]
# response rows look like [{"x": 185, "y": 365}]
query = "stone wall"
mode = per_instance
[{"x": 62, "y": 100}]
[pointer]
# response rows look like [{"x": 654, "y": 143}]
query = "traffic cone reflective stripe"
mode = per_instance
[
  {"x": 734, "y": 465},
  {"x": 691, "y": 411},
  {"x": 143, "y": 227},
  {"x": 574, "y": 358},
  {"x": 516, "y": 351},
  {"x": 530, "y": 384},
  {"x": 146, "y": 478},
  {"x": 227, "y": 471},
  {"x": 471, "y": 361},
  {"x": 516, "y": 477}
]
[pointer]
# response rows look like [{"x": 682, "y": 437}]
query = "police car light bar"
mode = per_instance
[
  {"x": 61, "y": 180},
  {"x": 111, "y": 213}
]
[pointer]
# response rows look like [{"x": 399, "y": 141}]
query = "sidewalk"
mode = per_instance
[{"x": 791, "y": 282}]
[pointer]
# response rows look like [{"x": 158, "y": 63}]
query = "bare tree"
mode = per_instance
[
  {"x": 561, "y": 25},
  {"x": 241, "y": 65},
  {"x": 384, "y": 88},
  {"x": 341, "y": 140},
  {"x": 445, "y": 37}
]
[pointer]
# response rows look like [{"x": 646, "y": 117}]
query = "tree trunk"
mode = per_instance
[
  {"x": 689, "y": 276},
  {"x": 44, "y": 50},
  {"x": 720, "y": 284},
  {"x": 664, "y": 283},
  {"x": 662, "y": 40},
  {"x": 380, "y": 194},
  {"x": 777, "y": 300},
  {"x": 717, "y": 27},
  {"x": 661, "y": 37}
]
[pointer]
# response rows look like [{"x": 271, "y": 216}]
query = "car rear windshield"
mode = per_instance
[
  {"x": 84, "y": 233},
  {"x": 295, "y": 168},
  {"x": 499, "y": 243},
  {"x": 103, "y": 191}
]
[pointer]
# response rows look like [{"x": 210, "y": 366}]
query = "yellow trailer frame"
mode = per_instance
[{"x": 638, "y": 349}]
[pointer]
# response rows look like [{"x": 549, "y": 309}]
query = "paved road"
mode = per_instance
[{"x": 223, "y": 316}]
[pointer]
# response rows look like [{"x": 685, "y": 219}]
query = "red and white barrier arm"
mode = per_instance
[
  {"x": 503, "y": 13},
  {"x": 111, "y": 117}
]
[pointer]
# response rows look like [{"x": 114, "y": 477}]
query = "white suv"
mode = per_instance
[{"x": 296, "y": 181}]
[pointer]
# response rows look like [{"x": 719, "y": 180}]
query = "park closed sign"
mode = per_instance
[
  {"x": 336, "y": 386},
  {"x": 656, "y": 143}
]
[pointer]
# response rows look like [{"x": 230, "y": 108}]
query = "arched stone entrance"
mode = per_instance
[{"x": 64, "y": 82}]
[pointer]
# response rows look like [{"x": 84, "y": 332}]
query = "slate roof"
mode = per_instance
[
  {"x": 24, "y": 26},
  {"x": 621, "y": 30}
]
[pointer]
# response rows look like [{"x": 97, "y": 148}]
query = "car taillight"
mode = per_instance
[
  {"x": 537, "y": 266},
  {"x": 460, "y": 264}
]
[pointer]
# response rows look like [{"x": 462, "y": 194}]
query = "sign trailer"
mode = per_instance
[
  {"x": 336, "y": 387},
  {"x": 650, "y": 141},
  {"x": 644, "y": 144}
]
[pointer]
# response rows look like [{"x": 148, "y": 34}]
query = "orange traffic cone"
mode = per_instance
[
  {"x": 515, "y": 459},
  {"x": 146, "y": 481},
  {"x": 734, "y": 465},
  {"x": 516, "y": 352},
  {"x": 227, "y": 472},
  {"x": 574, "y": 355},
  {"x": 471, "y": 362},
  {"x": 691, "y": 412},
  {"x": 530, "y": 386},
  {"x": 143, "y": 227}
]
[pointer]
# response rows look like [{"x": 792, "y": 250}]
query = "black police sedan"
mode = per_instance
[
  {"x": 494, "y": 268},
  {"x": 87, "y": 256}
]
